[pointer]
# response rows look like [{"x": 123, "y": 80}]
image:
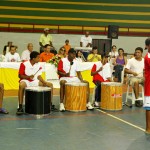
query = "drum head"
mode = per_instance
[
  {"x": 111, "y": 83},
  {"x": 37, "y": 88},
  {"x": 76, "y": 84}
]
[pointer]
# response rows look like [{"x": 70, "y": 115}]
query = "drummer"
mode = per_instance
[
  {"x": 69, "y": 72},
  {"x": 101, "y": 72},
  {"x": 30, "y": 75}
]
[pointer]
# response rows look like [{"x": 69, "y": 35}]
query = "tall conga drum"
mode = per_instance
[
  {"x": 37, "y": 100},
  {"x": 111, "y": 96},
  {"x": 76, "y": 96}
]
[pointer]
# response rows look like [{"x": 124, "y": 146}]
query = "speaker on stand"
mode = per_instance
[{"x": 113, "y": 32}]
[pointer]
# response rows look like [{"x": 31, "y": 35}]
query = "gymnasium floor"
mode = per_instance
[{"x": 90, "y": 130}]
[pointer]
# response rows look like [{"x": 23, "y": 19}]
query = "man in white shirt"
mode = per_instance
[
  {"x": 68, "y": 67},
  {"x": 12, "y": 56},
  {"x": 135, "y": 67},
  {"x": 26, "y": 53}
]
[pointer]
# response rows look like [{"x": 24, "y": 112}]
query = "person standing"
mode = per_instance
[
  {"x": 146, "y": 104},
  {"x": 67, "y": 46},
  {"x": 45, "y": 38},
  {"x": 26, "y": 53}
]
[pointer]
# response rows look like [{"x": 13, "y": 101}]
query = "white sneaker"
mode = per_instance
[
  {"x": 97, "y": 104},
  {"x": 89, "y": 106},
  {"x": 62, "y": 108}
]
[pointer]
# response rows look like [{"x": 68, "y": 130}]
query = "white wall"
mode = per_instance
[{"x": 22, "y": 39}]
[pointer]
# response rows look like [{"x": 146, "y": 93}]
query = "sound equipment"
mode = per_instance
[{"x": 113, "y": 32}]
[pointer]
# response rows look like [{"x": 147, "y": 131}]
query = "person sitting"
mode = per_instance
[
  {"x": 12, "y": 56},
  {"x": 26, "y": 53},
  {"x": 7, "y": 48},
  {"x": 135, "y": 68},
  {"x": 119, "y": 62},
  {"x": 94, "y": 57},
  {"x": 67, "y": 46},
  {"x": 2, "y": 110},
  {"x": 62, "y": 52},
  {"x": 67, "y": 69},
  {"x": 30, "y": 75},
  {"x": 80, "y": 57},
  {"x": 113, "y": 53},
  {"x": 46, "y": 55},
  {"x": 101, "y": 72}
]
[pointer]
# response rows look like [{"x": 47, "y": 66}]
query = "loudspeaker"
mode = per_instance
[{"x": 113, "y": 31}]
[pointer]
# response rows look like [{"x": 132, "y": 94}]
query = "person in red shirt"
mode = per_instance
[
  {"x": 67, "y": 69},
  {"x": 146, "y": 104},
  {"x": 30, "y": 75},
  {"x": 101, "y": 72},
  {"x": 46, "y": 55}
]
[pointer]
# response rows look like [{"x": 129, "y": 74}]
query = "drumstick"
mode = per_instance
[{"x": 38, "y": 71}]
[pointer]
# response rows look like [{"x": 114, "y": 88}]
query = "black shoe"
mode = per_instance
[
  {"x": 20, "y": 111},
  {"x": 53, "y": 108},
  {"x": 138, "y": 103},
  {"x": 128, "y": 104}
]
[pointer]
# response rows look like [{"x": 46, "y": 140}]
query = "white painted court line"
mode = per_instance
[
  {"x": 27, "y": 128},
  {"x": 126, "y": 122}
]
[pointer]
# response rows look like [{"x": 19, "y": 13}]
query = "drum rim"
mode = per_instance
[
  {"x": 111, "y": 83},
  {"x": 31, "y": 88},
  {"x": 76, "y": 84}
]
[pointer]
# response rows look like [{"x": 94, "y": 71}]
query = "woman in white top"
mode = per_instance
[
  {"x": 12, "y": 56},
  {"x": 79, "y": 56},
  {"x": 113, "y": 53}
]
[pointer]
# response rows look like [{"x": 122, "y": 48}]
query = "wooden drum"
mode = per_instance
[
  {"x": 37, "y": 100},
  {"x": 111, "y": 96},
  {"x": 75, "y": 96}
]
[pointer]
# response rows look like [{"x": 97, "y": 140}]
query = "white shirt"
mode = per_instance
[
  {"x": 106, "y": 71},
  {"x": 85, "y": 40},
  {"x": 67, "y": 67},
  {"x": 12, "y": 58},
  {"x": 136, "y": 66},
  {"x": 113, "y": 54},
  {"x": 2, "y": 58},
  {"x": 25, "y": 55}
]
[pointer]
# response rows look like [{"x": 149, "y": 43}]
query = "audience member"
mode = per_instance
[
  {"x": 94, "y": 57},
  {"x": 67, "y": 46},
  {"x": 26, "y": 53},
  {"x": 46, "y": 55},
  {"x": 79, "y": 56},
  {"x": 7, "y": 48},
  {"x": 113, "y": 53},
  {"x": 2, "y": 110},
  {"x": 45, "y": 39},
  {"x": 86, "y": 40},
  {"x": 12, "y": 56},
  {"x": 135, "y": 68},
  {"x": 2, "y": 58},
  {"x": 101, "y": 72},
  {"x": 30, "y": 75},
  {"x": 62, "y": 52},
  {"x": 69, "y": 71},
  {"x": 119, "y": 62}
]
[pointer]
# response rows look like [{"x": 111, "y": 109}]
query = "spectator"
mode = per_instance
[
  {"x": 94, "y": 57},
  {"x": 47, "y": 55},
  {"x": 79, "y": 56},
  {"x": 135, "y": 68},
  {"x": 86, "y": 40},
  {"x": 26, "y": 53},
  {"x": 7, "y": 48},
  {"x": 62, "y": 52},
  {"x": 67, "y": 46},
  {"x": 113, "y": 53},
  {"x": 119, "y": 62},
  {"x": 12, "y": 56},
  {"x": 45, "y": 39}
]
